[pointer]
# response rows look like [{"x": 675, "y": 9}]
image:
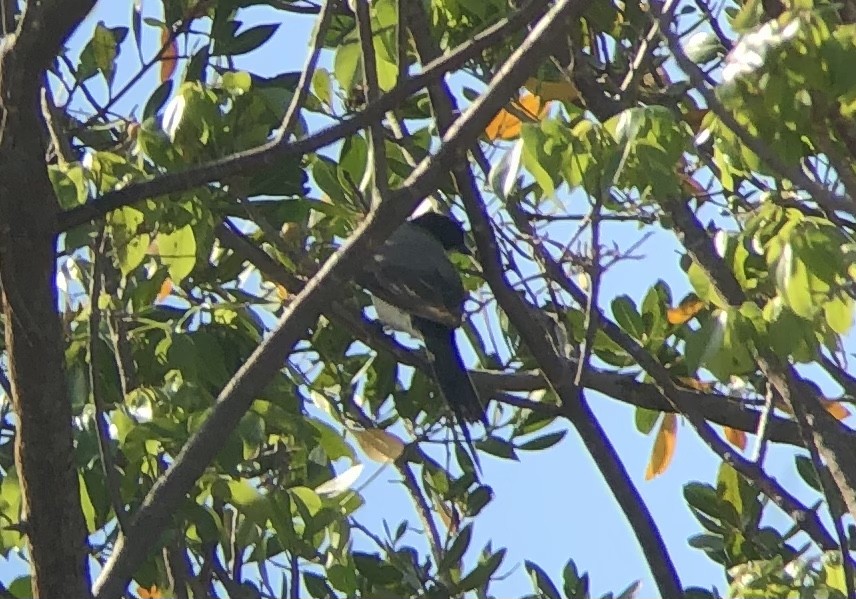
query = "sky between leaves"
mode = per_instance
[{"x": 551, "y": 505}]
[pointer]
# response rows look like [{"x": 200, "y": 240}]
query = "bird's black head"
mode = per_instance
[{"x": 445, "y": 229}]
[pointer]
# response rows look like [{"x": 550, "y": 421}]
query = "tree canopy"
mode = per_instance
[{"x": 195, "y": 383}]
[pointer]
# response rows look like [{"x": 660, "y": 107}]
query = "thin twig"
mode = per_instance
[
  {"x": 317, "y": 44},
  {"x": 102, "y": 422},
  {"x": 273, "y": 153},
  {"x": 376, "y": 168},
  {"x": 818, "y": 193},
  {"x": 237, "y": 396}
]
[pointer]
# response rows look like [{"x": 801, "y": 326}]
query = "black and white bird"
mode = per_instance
[{"x": 416, "y": 289}]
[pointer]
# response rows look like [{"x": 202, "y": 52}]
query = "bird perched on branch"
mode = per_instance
[{"x": 416, "y": 289}]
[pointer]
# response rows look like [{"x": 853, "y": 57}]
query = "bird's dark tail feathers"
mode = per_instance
[
  {"x": 452, "y": 377},
  {"x": 450, "y": 372}
]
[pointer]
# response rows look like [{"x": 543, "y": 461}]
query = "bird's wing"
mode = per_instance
[{"x": 412, "y": 272}]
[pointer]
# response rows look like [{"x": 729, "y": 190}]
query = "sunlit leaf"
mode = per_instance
[
  {"x": 664, "y": 447},
  {"x": 507, "y": 122},
  {"x": 736, "y": 437},
  {"x": 836, "y": 408},
  {"x": 165, "y": 289},
  {"x": 379, "y": 445},
  {"x": 685, "y": 310},
  {"x": 342, "y": 482}
]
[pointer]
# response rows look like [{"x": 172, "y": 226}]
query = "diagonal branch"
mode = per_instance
[
  {"x": 556, "y": 370},
  {"x": 275, "y": 152},
  {"x": 714, "y": 407},
  {"x": 167, "y": 494}
]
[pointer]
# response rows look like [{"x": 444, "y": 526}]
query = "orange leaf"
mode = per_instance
[
  {"x": 688, "y": 308},
  {"x": 736, "y": 437},
  {"x": 836, "y": 408},
  {"x": 165, "y": 290},
  {"x": 281, "y": 292},
  {"x": 151, "y": 593},
  {"x": 507, "y": 124},
  {"x": 169, "y": 57},
  {"x": 664, "y": 447}
]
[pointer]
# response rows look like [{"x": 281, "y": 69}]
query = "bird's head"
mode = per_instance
[{"x": 444, "y": 229}]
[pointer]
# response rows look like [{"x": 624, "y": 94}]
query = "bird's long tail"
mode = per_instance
[{"x": 452, "y": 377}]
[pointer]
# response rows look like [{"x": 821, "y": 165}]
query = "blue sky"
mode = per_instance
[{"x": 551, "y": 505}]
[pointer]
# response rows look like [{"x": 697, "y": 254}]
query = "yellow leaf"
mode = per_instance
[
  {"x": 664, "y": 447},
  {"x": 836, "y": 408},
  {"x": 736, "y": 437},
  {"x": 448, "y": 515},
  {"x": 506, "y": 124},
  {"x": 282, "y": 292},
  {"x": 564, "y": 91},
  {"x": 688, "y": 308},
  {"x": 695, "y": 384},
  {"x": 380, "y": 445},
  {"x": 165, "y": 290}
]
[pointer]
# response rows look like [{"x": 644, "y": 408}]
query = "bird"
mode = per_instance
[{"x": 416, "y": 289}]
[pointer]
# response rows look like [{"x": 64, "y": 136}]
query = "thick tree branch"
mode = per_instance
[
  {"x": 556, "y": 370},
  {"x": 804, "y": 517},
  {"x": 720, "y": 409},
  {"x": 822, "y": 434},
  {"x": 169, "y": 491},
  {"x": 41, "y": 33},
  {"x": 44, "y": 448},
  {"x": 275, "y": 152},
  {"x": 819, "y": 194}
]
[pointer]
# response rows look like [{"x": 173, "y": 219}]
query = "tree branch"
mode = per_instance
[
  {"x": 274, "y": 152},
  {"x": 169, "y": 491},
  {"x": 556, "y": 370}
]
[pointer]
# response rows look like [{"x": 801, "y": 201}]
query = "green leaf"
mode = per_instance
[
  {"x": 317, "y": 585},
  {"x": 702, "y": 47},
  {"x": 321, "y": 87},
  {"x": 456, "y": 552},
  {"x": 478, "y": 499},
  {"x": 157, "y": 100},
  {"x": 481, "y": 574},
  {"x": 541, "y": 581},
  {"x": 624, "y": 311},
  {"x": 343, "y": 578},
  {"x": 101, "y": 51},
  {"x": 807, "y": 472},
  {"x": 645, "y": 419},
  {"x": 251, "y": 39},
  {"x": 346, "y": 65},
  {"x": 177, "y": 252},
  {"x": 249, "y": 501},
  {"x": 702, "y": 497},
  {"x": 728, "y": 483},
  {"x": 237, "y": 82},
  {"x": 838, "y": 313},
  {"x": 498, "y": 447},
  {"x": 543, "y": 442},
  {"x": 574, "y": 585},
  {"x": 543, "y": 146}
]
